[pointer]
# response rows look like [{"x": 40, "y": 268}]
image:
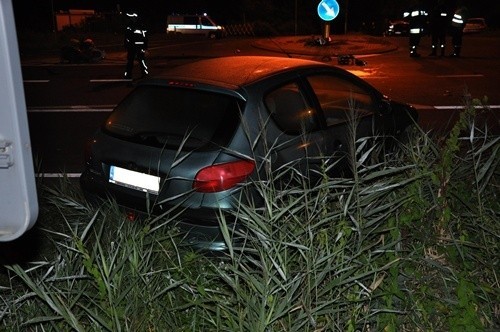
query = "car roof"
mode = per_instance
[
  {"x": 237, "y": 71},
  {"x": 479, "y": 19}
]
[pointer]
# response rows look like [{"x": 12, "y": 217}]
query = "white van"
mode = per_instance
[{"x": 194, "y": 24}]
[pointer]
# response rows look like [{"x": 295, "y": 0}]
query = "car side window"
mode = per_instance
[
  {"x": 290, "y": 111},
  {"x": 341, "y": 99}
]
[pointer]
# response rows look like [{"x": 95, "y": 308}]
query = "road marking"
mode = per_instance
[
  {"x": 452, "y": 107},
  {"x": 460, "y": 76},
  {"x": 110, "y": 80},
  {"x": 76, "y": 108},
  {"x": 462, "y": 107},
  {"x": 58, "y": 175},
  {"x": 91, "y": 81},
  {"x": 367, "y": 73}
]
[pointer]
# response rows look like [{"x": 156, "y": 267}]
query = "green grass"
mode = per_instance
[{"x": 409, "y": 243}]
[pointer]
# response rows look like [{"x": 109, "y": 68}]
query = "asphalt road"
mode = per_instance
[{"x": 67, "y": 102}]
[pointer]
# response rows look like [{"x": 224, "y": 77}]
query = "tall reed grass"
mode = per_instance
[{"x": 409, "y": 243}]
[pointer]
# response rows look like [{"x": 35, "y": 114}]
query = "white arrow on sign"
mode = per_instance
[{"x": 329, "y": 10}]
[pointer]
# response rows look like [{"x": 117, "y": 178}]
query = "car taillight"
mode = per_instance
[{"x": 222, "y": 176}]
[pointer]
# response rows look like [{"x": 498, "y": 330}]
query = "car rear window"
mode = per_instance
[{"x": 175, "y": 117}]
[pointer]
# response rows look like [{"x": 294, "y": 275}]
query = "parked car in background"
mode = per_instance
[
  {"x": 398, "y": 28},
  {"x": 476, "y": 24},
  {"x": 192, "y": 140}
]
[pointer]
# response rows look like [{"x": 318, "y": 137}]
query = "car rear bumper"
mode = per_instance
[{"x": 199, "y": 227}]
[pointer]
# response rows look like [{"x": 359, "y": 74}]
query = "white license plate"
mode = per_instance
[{"x": 135, "y": 180}]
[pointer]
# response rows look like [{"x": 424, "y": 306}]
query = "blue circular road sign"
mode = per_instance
[{"x": 328, "y": 9}]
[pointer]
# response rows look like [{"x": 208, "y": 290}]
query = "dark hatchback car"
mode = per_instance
[{"x": 187, "y": 142}]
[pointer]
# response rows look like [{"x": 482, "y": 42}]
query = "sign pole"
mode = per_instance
[{"x": 326, "y": 32}]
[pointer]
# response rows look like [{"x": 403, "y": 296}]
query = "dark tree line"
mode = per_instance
[{"x": 285, "y": 16}]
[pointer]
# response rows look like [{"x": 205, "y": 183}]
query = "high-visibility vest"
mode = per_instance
[
  {"x": 417, "y": 20},
  {"x": 135, "y": 36},
  {"x": 459, "y": 18}
]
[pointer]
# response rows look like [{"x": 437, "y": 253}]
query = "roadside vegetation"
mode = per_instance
[{"x": 409, "y": 243}]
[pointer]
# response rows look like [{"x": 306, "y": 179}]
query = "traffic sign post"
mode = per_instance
[{"x": 327, "y": 11}]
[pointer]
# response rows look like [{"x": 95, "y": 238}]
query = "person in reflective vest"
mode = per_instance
[
  {"x": 438, "y": 25},
  {"x": 417, "y": 18},
  {"x": 136, "y": 44},
  {"x": 457, "y": 29}
]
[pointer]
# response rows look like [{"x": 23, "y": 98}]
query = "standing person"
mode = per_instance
[
  {"x": 417, "y": 18},
  {"x": 457, "y": 28},
  {"x": 136, "y": 43},
  {"x": 438, "y": 25}
]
